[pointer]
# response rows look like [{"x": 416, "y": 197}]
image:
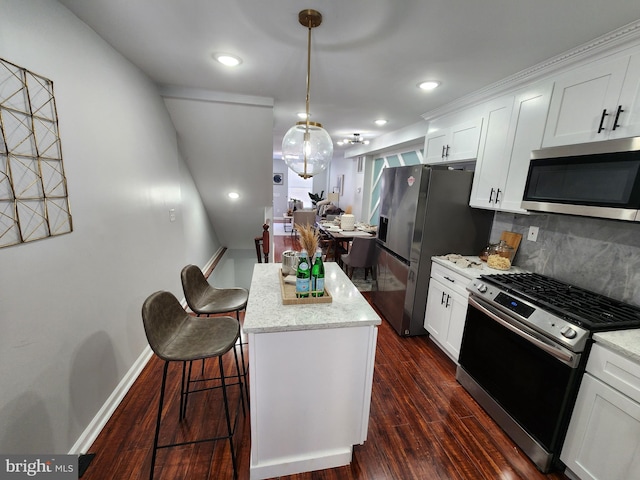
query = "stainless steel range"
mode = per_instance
[{"x": 523, "y": 353}]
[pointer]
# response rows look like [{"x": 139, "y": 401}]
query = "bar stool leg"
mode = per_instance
[
  {"x": 244, "y": 366},
  {"x": 228, "y": 417},
  {"x": 235, "y": 356},
  {"x": 186, "y": 382},
  {"x": 157, "y": 435}
]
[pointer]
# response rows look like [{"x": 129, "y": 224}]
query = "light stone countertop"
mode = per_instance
[
  {"x": 265, "y": 312},
  {"x": 625, "y": 342},
  {"x": 474, "y": 272}
]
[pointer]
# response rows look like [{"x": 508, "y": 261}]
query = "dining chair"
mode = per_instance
[
  {"x": 362, "y": 254},
  {"x": 262, "y": 244},
  {"x": 176, "y": 336},
  {"x": 303, "y": 218}
]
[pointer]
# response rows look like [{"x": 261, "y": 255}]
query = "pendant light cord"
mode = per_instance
[{"x": 306, "y": 132}]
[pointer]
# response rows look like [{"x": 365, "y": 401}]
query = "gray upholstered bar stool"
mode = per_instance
[
  {"x": 204, "y": 300},
  {"x": 176, "y": 336}
]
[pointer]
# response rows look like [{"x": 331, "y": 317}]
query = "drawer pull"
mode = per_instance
[{"x": 447, "y": 278}]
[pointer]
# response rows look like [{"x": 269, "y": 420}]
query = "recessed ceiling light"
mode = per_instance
[
  {"x": 380, "y": 122},
  {"x": 428, "y": 85},
  {"x": 227, "y": 60},
  {"x": 233, "y": 195}
]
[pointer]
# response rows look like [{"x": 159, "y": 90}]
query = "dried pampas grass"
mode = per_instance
[{"x": 309, "y": 238}]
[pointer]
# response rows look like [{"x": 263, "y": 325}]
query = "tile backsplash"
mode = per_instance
[{"x": 596, "y": 254}]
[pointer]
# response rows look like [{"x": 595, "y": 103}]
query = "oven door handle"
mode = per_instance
[{"x": 558, "y": 353}]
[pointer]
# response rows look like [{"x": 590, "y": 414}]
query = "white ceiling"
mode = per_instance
[{"x": 367, "y": 56}]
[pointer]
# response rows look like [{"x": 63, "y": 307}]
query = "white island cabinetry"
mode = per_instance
[
  {"x": 311, "y": 374},
  {"x": 603, "y": 440}
]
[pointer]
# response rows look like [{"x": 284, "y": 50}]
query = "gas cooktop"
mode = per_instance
[{"x": 589, "y": 310}]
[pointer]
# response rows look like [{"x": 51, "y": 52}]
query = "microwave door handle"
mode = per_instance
[
  {"x": 604, "y": 114},
  {"x": 564, "y": 357}
]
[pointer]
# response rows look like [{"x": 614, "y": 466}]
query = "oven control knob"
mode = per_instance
[
  {"x": 481, "y": 287},
  {"x": 568, "y": 332}
]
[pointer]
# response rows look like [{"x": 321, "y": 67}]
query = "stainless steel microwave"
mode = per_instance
[{"x": 598, "y": 179}]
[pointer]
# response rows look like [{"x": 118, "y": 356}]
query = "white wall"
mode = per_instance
[
  {"x": 70, "y": 321},
  {"x": 346, "y": 167}
]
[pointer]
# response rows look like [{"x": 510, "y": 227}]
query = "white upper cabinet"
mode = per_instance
[
  {"x": 453, "y": 139},
  {"x": 493, "y": 162},
  {"x": 628, "y": 121},
  {"x": 525, "y": 134},
  {"x": 514, "y": 126},
  {"x": 596, "y": 102}
]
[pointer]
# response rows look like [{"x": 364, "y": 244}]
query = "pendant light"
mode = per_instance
[{"x": 307, "y": 148}]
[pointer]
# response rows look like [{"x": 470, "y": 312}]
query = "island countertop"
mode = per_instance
[{"x": 266, "y": 313}]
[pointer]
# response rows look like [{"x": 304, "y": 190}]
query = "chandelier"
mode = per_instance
[
  {"x": 355, "y": 140},
  {"x": 307, "y": 148}
]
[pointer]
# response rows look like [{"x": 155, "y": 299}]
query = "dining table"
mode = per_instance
[{"x": 341, "y": 238}]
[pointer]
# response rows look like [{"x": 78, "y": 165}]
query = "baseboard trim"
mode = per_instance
[{"x": 96, "y": 425}]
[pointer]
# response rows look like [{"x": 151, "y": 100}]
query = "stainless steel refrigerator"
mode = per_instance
[{"x": 424, "y": 211}]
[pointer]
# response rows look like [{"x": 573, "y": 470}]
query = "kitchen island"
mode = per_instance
[{"x": 311, "y": 373}]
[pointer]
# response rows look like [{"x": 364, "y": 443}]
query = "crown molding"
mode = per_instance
[
  {"x": 607, "y": 44},
  {"x": 200, "y": 94}
]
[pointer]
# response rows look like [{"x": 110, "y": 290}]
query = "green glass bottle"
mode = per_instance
[
  {"x": 317, "y": 276},
  {"x": 303, "y": 276}
]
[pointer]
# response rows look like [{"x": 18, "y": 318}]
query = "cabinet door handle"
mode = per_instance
[
  {"x": 447, "y": 278},
  {"x": 447, "y": 304},
  {"x": 491, "y": 196},
  {"x": 615, "y": 122},
  {"x": 498, "y": 195},
  {"x": 604, "y": 114},
  {"x": 447, "y": 154},
  {"x": 443, "y": 150},
  {"x": 442, "y": 299}
]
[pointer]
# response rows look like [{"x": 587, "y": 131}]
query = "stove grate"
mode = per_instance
[{"x": 582, "y": 307}]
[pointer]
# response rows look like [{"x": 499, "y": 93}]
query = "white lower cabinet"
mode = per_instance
[
  {"x": 603, "y": 440},
  {"x": 446, "y": 309}
]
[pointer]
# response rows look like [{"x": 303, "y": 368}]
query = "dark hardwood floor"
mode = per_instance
[{"x": 423, "y": 425}]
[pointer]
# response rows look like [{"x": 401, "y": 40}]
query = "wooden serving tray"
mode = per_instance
[{"x": 289, "y": 295}]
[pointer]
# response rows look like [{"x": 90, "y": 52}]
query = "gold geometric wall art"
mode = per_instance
[{"x": 34, "y": 202}]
